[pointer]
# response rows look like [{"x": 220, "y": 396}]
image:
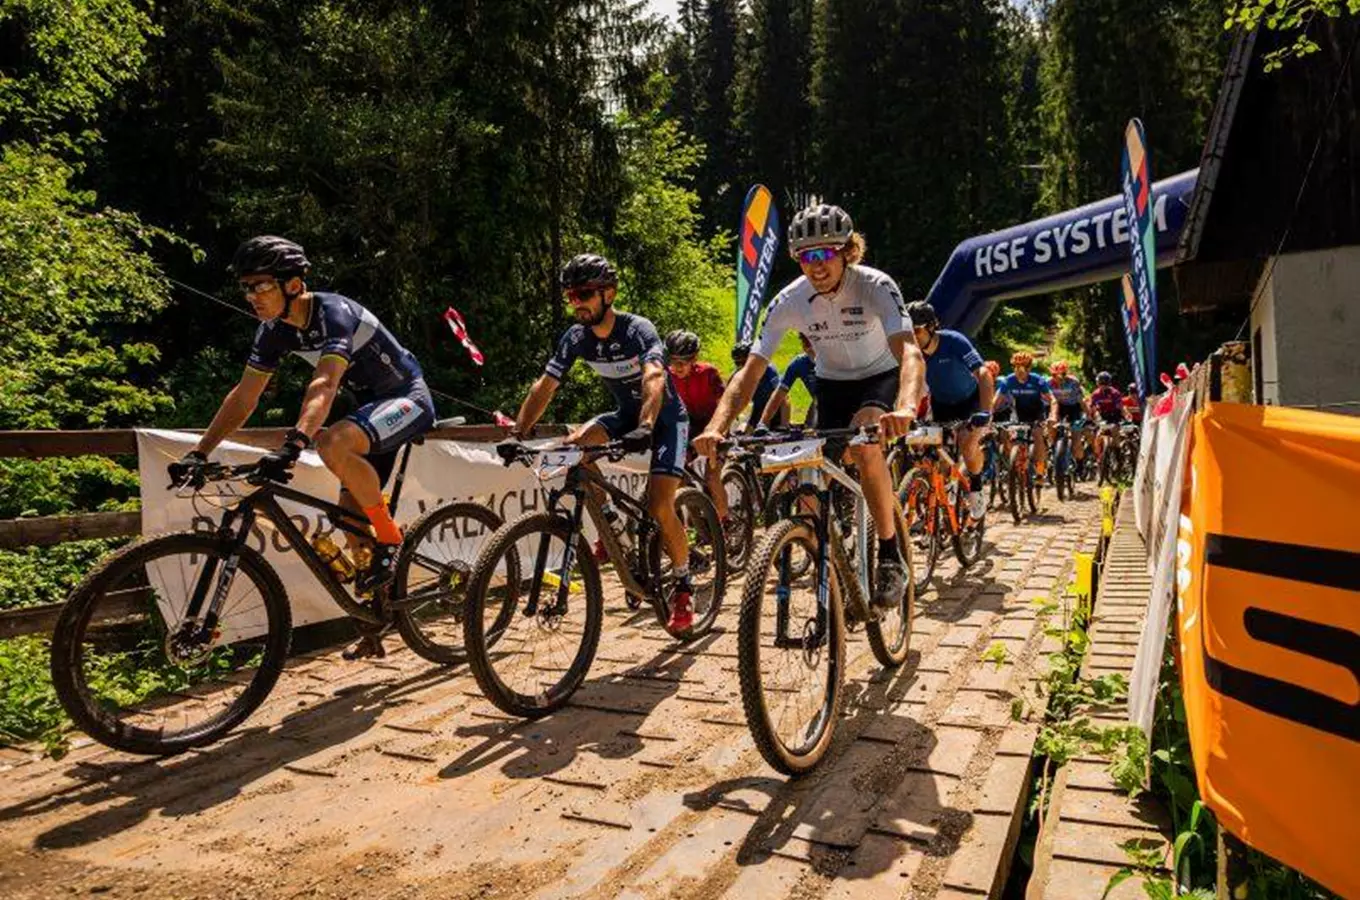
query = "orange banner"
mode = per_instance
[{"x": 1269, "y": 615}]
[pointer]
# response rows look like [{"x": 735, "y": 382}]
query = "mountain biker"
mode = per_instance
[
  {"x": 625, "y": 350},
  {"x": 765, "y": 388},
  {"x": 1108, "y": 405},
  {"x": 802, "y": 367},
  {"x": 1070, "y": 397},
  {"x": 700, "y": 386},
  {"x": 869, "y": 368},
  {"x": 346, "y": 344},
  {"x": 961, "y": 390},
  {"x": 1133, "y": 409},
  {"x": 1032, "y": 398}
]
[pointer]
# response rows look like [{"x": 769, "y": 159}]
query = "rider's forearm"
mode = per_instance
[
  {"x": 653, "y": 389},
  {"x": 773, "y": 406},
  {"x": 231, "y": 415},
  {"x": 911, "y": 378},
  {"x": 986, "y": 390},
  {"x": 316, "y": 403},
  {"x": 534, "y": 404},
  {"x": 739, "y": 392}
]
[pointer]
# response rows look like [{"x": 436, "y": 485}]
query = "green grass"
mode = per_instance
[{"x": 717, "y": 349}]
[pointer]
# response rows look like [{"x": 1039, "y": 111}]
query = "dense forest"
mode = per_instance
[{"x": 430, "y": 155}]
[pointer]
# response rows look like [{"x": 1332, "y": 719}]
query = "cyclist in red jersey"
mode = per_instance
[
  {"x": 1133, "y": 410},
  {"x": 700, "y": 386}
]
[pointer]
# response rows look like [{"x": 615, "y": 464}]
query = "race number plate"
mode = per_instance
[
  {"x": 554, "y": 462},
  {"x": 925, "y": 436},
  {"x": 792, "y": 455}
]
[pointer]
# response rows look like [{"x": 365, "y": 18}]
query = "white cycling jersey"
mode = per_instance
[{"x": 849, "y": 329}]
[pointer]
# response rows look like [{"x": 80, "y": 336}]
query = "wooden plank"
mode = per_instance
[
  {"x": 41, "y": 619},
  {"x": 40, "y": 444},
  {"x": 43, "y": 531}
]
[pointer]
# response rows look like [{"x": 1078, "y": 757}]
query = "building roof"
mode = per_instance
[{"x": 1268, "y": 131}]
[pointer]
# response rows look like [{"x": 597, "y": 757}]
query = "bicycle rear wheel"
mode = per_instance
[
  {"x": 436, "y": 559},
  {"x": 707, "y": 563},
  {"x": 790, "y": 668},
  {"x": 529, "y": 662},
  {"x": 134, "y": 676}
]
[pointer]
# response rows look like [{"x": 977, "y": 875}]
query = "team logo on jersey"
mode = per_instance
[
  {"x": 854, "y": 310},
  {"x": 817, "y": 326}
]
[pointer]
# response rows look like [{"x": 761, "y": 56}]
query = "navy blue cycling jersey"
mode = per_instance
[
  {"x": 340, "y": 327},
  {"x": 618, "y": 359},
  {"x": 768, "y": 382},
  {"x": 802, "y": 368},
  {"x": 1030, "y": 396},
  {"x": 950, "y": 369}
]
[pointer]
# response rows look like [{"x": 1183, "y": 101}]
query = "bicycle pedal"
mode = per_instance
[{"x": 370, "y": 645}]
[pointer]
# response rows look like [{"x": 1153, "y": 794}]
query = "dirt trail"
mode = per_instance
[{"x": 396, "y": 780}]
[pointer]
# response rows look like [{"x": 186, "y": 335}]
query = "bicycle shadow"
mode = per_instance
[
  {"x": 875, "y": 780},
  {"x": 196, "y": 781},
  {"x": 535, "y": 748}
]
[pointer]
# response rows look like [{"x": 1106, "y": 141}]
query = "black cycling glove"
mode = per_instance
[
  {"x": 638, "y": 440},
  {"x": 980, "y": 419},
  {"x": 188, "y": 471},
  {"x": 275, "y": 465},
  {"x": 509, "y": 450}
]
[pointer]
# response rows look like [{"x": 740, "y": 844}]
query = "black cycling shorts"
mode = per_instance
[
  {"x": 839, "y": 401},
  {"x": 1070, "y": 412},
  {"x": 944, "y": 413},
  {"x": 392, "y": 422}
]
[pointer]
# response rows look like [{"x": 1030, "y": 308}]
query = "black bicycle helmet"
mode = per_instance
[
  {"x": 923, "y": 315},
  {"x": 740, "y": 352},
  {"x": 1104, "y": 379},
  {"x": 269, "y": 254},
  {"x": 822, "y": 225},
  {"x": 682, "y": 344},
  {"x": 588, "y": 270}
]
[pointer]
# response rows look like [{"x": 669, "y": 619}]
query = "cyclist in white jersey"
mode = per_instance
[{"x": 868, "y": 366}]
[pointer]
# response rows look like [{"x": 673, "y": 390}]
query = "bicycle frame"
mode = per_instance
[
  {"x": 580, "y": 478},
  {"x": 264, "y": 501},
  {"x": 829, "y": 538}
]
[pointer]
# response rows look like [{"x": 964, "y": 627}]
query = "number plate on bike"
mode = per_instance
[
  {"x": 925, "y": 436},
  {"x": 791, "y": 455},
  {"x": 552, "y": 462}
]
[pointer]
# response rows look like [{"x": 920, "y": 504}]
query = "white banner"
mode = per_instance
[
  {"x": 1142, "y": 479},
  {"x": 439, "y": 472},
  {"x": 1172, "y": 450}
]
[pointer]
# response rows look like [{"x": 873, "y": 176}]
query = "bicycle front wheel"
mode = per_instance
[
  {"x": 135, "y": 675},
  {"x": 432, "y": 574},
  {"x": 531, "y": 628},
  {"x": 923, "y": 525},
  {"x": 790, "y": 652},
  {"x": 890, "y": 636}
]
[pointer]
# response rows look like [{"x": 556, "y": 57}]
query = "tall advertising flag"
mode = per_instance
[
  {"x": 755, "y": 258},
  {"x": 1143, "y": 246},
  {"x": 1133, "y": 334}
]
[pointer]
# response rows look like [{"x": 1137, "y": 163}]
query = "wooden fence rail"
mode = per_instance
[{"x": 45, "y": 531}]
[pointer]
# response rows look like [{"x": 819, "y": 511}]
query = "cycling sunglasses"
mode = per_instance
[
  {"x": 817, "y": 255},
  {"x": 583, "y": 295}
]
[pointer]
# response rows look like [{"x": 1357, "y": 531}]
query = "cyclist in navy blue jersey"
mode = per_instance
[
  {"x": 961, "y": 390},
  {"x": 802, "y": 367},
  {"x": 625, "y": 350},
  {"x": 1033, "y": 401},
  {"x": 345, "y": 344}
]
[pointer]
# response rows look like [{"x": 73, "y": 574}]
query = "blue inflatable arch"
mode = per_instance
[{"x": 1070, "y": 249}]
